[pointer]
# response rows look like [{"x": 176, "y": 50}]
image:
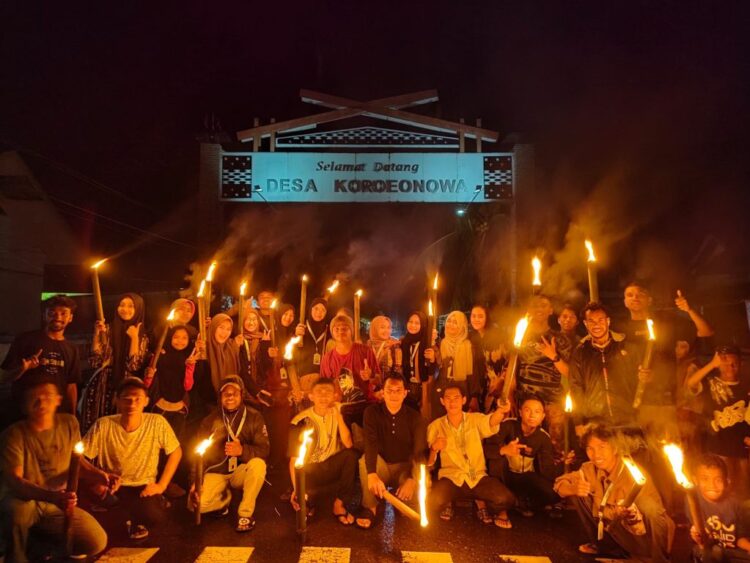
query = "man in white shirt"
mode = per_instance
[
  {"x": 128, "y": 444},
  {"x": 457, "y": 438}
]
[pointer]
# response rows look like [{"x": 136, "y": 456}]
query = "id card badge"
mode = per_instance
[
  {"x": 316, "y": 359},
  {"x": 232, "y": 464},
  {"x": 282, "y": 373}
]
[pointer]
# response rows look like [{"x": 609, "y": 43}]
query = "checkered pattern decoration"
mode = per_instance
[
  {"x": 236, "y": 176},
  {"x": 368, "y": 137},
  {"x": 498, "y": 177}
]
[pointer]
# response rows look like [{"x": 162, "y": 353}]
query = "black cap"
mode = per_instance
[
  {"x": 131, "y": 381},
  {"x": 730, "y": 349}
]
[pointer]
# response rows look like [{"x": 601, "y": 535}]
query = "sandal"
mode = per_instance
[
  {"x": 484, "y": 516},
  {"x": 244, "y": 524},
  {"x": 366, "y": 515},
  {"x": 503, "y": 522},
  {"x": 343, "y": 518},
  {"x": 588, "y": 549},
  {"x": 447, "y": 512}
]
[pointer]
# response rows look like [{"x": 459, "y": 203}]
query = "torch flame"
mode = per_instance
[
  {"x": 202, "y": 288},
  {"x": 537, "y": 265},
  {"x": 273, "y": 304},
  {"x": 650, "y": 325},
  {"x": 358, "y": 293},
  {"x": 430, "y": 312},
  {"x": 204, "y": 445},
  {"x": 243, "y": 288},
  {"x": 435, "y": 282},
  {"x": 78, "y": 448},
  {"x": 304, "y": 277},
  {"x": 568, "y": 403},
  {"x": 333, "y": 286},
  {"x": 635, "y": 471},
  {"x": 289, "y": 348},
  {"x": 422, "y": 496},
  {"x": 521, "y": 327},
  {"x": 676, "y": 459},
  {"x": 305, "y": 441},
  {"x": 96, "y": 265},
  {"x": 590, "y": 248},
  {"x": 211, "y": 270},
  {"x": 170, "y": 316}
]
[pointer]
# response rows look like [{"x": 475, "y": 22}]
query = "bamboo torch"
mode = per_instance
[
  {"x": 422, "y": 496},
  {"x": 97, "y": 289},
  {"x": 676, "y": 460},
  {"x": 646, "y": 363},
  {"x": 74, "y": 471},
  {"x": 357, "y": 297},
  {"x": 639, "y": 479},
  {"x": 291, "y": 369},
  {"x": 303, "y": 299},
  {"x": 434, "y": 299},
  {"x": 566, "y": 430},
  {"x": 162, "y": 339},
  {"x": 202, "y": 314},
  {"x": 510, "y": 371},
  {"x": 300, "y": 488},
  {"x": 272, "y": 322},
  {"x": 200, "y": 450},
  {"x": 536, "y": 282},
  {"x": 209, "y": 286},
  {"x": 241, "y": 312},
  {"x": 593, "y": 276}
]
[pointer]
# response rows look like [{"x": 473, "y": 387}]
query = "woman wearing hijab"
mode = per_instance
[
  {"x": 286, "y": 327},
  {"x": 117, "y": 352},
  {"x": 384, "y": 346},
  {"x": 184, "y": 311},
  {"x": 314, "y": 333},
  {"x": 414, "y": 367},
  {"x": 456, "y": 362},
  {"x": 222, "y": 350},
  {"x": 255, "y": 362},
  {"x": 170, "y": 383},
  {"x": 488, "y": 355}
]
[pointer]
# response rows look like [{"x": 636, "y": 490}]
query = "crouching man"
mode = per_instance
[
  {"x": 457, "y": 438},
  {"x": 236, "y": 459},
  {"x": 35, "y": 461},
  {"x": 642, "y": 530}
]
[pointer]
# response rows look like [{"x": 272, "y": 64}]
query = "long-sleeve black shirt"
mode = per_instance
[
  {"x": 540, "y": 458},
  {"x": 397, "y": 438}
]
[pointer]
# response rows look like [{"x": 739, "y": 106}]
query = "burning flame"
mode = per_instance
[
  {"x": 537, "y": 265},
  {"x": 435, "y": 282},
  {"x": 521, "y": 327},
  {"x": 430, "y": 312},
  {"x": 650, "y": 325},
  {"x": 96, "y": 265},
  {"x": 170, "y": 316},
  {"x": 211, "y": 270},
  {"x": 358, "y": 293},
  {"x": 204, "y": 445},
  {"x": 243, "y": 288},
  {"x": 305, "y": 441},
  {"x": 568, "y": 403},
  {"x": 333, "y": 287},
  {"x": 289, "y": 348},
  {"x": 304, "y": 278},
  {"x": 202, "y": 288},
  {"x": 78, "y": 448},
  {"x": 635, "y": 471},
  {"x": 590, "y": 248},
  {"x": 676, "y": 460},
  {"x": 273, "y": 303},
  {"x": 422, "y": 496}
]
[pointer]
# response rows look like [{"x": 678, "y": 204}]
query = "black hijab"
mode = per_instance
[
  {"x": 119, "y": 339},
  {"x": 318, "y": 327},
  {"x": 171, "y": 367},
  {"x": 423, "y": 337}
]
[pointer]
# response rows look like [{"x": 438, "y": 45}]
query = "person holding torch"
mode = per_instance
[
  {"x": 599, "y": 490},
  {"x": 35, "y": 464}
]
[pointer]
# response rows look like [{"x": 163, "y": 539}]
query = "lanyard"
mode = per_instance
[
  {"x": 415, "y": 375},
  {"x": 317, "y": 339},
  {"x": 606, "y": 382},
  {"x": 232, "y": 434},
  {"x": 603, "y": 503}
]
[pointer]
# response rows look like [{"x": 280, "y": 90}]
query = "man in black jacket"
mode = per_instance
[{"x": 236, "y": 458}]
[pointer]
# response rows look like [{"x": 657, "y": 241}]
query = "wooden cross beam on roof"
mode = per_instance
[{"x": 388, "y": 109}]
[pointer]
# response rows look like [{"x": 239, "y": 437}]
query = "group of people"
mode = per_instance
[{"x": 486, "y": 418}]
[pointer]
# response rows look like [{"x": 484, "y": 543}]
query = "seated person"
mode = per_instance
[
  {"x": 457, "y": 438},
  {"x": 35, "y": 462},
  {"x": 331, "y": 463},
  {"x": 643, "y": 530},
  {"x": 236, "y": 458},
  {"x": 726, "y": 537},
  {"x": 522, "y": 455},
  {"x": 128, "y": 444},
  {"x": 394, "y": 447}
]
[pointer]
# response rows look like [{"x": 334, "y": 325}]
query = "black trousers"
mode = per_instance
[
  {"x": 149, "y": 511},
  {"x": 533, "y": 487},
  {"x": 489, "y": 489},
  {"x": 334, "y": 476}
]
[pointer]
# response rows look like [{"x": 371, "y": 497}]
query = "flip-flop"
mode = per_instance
[
  {"x": 503, "y": 523},
  {"x": 366, "y": 515},
  {"x": 244, "y": 524},
  {"x": 588, "y": 549},
  {"x": 342, "y": 518}
]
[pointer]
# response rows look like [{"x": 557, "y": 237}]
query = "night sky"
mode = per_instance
[{"x": 645, "y": 102}]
